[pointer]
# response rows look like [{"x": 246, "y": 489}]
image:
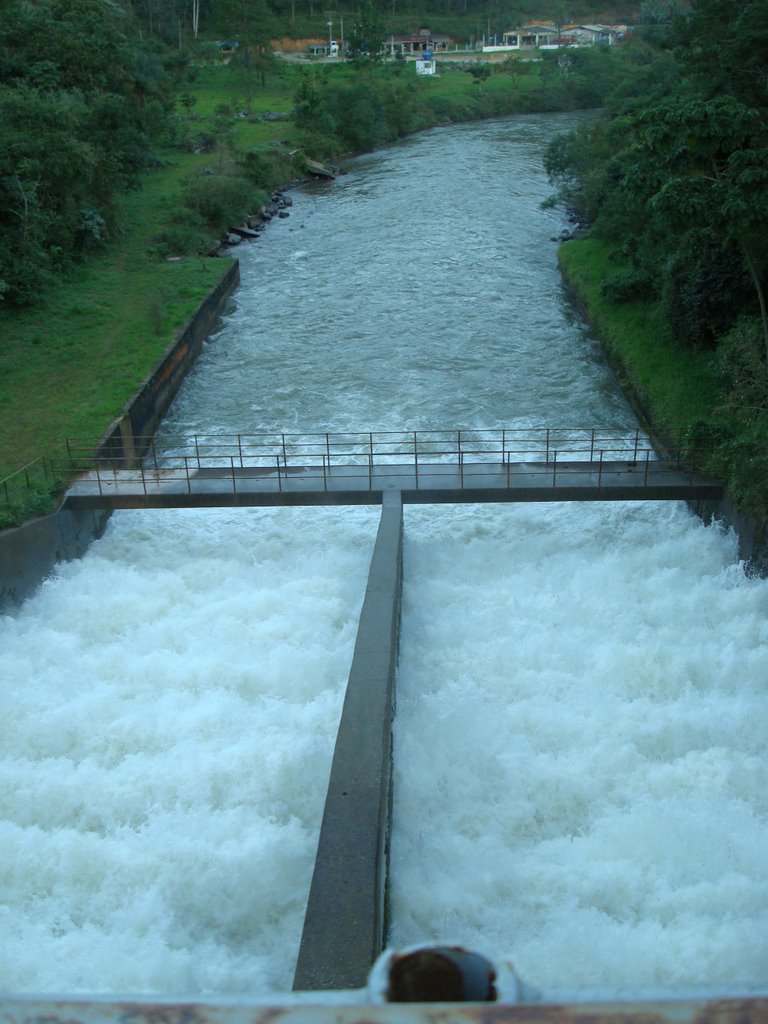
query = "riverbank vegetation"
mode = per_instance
[
  {"x": 123, "y": 159},
  {"x": 673, "y": 190},
  {"x": 126, "y": 154}
]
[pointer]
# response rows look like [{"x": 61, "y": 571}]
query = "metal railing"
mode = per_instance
[
  {"x": 319, "y": 456},
  {"x": 15, "y": 486},
  {"x": 351, "y": 447}
]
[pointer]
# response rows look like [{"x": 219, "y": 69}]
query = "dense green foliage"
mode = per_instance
[
  {"x": 82, "y": 102},
  {"x": 675, "y": 182},
  {"x": 353, "y": 108}
]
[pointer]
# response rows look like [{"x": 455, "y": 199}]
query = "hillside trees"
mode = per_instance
[
  {"x": 686, "y": 173},
  {"x": 80, "y": 100}
]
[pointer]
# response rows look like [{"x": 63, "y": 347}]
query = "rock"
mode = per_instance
[
  {"x": 244, "y": 232},
  {"x": 283, "y": 214},
  {"x": 319, "y": 170}
]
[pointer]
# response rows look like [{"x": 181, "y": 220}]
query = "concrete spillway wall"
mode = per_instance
[
  {"x": 29, "y": 552},
  {"x": 344, "y": 926}
]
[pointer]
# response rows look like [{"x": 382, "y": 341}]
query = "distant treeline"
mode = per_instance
[{"x": 464, "y": 19}]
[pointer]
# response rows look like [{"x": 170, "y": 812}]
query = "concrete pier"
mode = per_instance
[{"x": 344, "y": 922}]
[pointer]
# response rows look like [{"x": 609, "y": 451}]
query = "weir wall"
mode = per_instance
[{"x": 29, "y": 552}]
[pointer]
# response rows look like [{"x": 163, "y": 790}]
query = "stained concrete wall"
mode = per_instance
[
  {"x": 28, "y": 553},
  {"x": 126, "y": 438},
  {"x": 344, "y": 925},
  {"x": 753, "y": 541}
]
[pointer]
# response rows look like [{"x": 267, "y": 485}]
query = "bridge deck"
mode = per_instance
[{"x": 417, "y": 482}]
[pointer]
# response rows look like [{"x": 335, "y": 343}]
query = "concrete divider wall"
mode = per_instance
[
  {"x": 29, "y": 552},
  {"x": 345, "y": 921}
]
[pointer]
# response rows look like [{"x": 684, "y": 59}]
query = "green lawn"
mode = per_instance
[{"x": 677, "y": 386}]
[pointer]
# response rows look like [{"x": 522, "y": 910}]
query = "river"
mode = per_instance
[{"x": 580, "y": 780}]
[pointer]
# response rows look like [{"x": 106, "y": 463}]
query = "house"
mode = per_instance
[
  {"x": 547, "y": 35},
  {"x": 595, "y": 35},
  {"x": 417, "y": 43},
  {"x": 529, "y": 37}
]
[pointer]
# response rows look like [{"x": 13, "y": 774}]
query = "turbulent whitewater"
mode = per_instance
[{"x": 580, "y": 779}]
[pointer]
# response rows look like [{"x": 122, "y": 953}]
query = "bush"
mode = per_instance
[
  {"x": 631, "y": 285},
  {"x": 269, "y": 170},
  {"x": 705, "y": 289},
  {"x": 221, "y": 200}
]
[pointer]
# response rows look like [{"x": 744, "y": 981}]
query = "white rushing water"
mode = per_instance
[
  {"x": 167, "y": 719},
  {"x": 581, "y": 782},
  {"x": 580, "y": 779}
]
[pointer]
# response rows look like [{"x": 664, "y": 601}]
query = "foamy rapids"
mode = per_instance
[
  {"x": 169, "y": 708},
  {"x": 581, "y": 779}
]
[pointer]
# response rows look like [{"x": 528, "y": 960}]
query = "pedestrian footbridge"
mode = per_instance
[{"x": 361, "y": 468}]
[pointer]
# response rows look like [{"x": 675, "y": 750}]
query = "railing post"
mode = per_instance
[
  {"x": 592, "y": 446},
  {"x": 325, "y": 477},
  {"x": 546, "y": 459},
  {"x": 416, "y": 459},
  {"x": 240, "y": 449},
  {"x": 637, "y": 441},
  {"x": 285, "y": 453},
  {"x": 647, "y": 463},
  {"x": 197, "y": 452},
  {"x": 554, "y": 465},
  {"x": 232, "y": 472},
  {"x": 279, "y": 478},
  {"x": 370, "y": 461},
  {"x": 600, "y": 470}
]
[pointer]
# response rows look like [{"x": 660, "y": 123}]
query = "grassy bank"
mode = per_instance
[
  {"x": 676, "y": 387},
  {"x": 681, "y": 393},
  {"x": 70, "y": 362}
]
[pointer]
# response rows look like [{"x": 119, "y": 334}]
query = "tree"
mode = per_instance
[
  {"x": 705, "y": 163},
  {"x": 79, "y": 95}
]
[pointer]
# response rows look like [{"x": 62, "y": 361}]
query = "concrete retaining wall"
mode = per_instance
[
  {"x": 29, "y": 552},
  {"x": 753, "y": 542},
  {"x": 126, "y": 438}
]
